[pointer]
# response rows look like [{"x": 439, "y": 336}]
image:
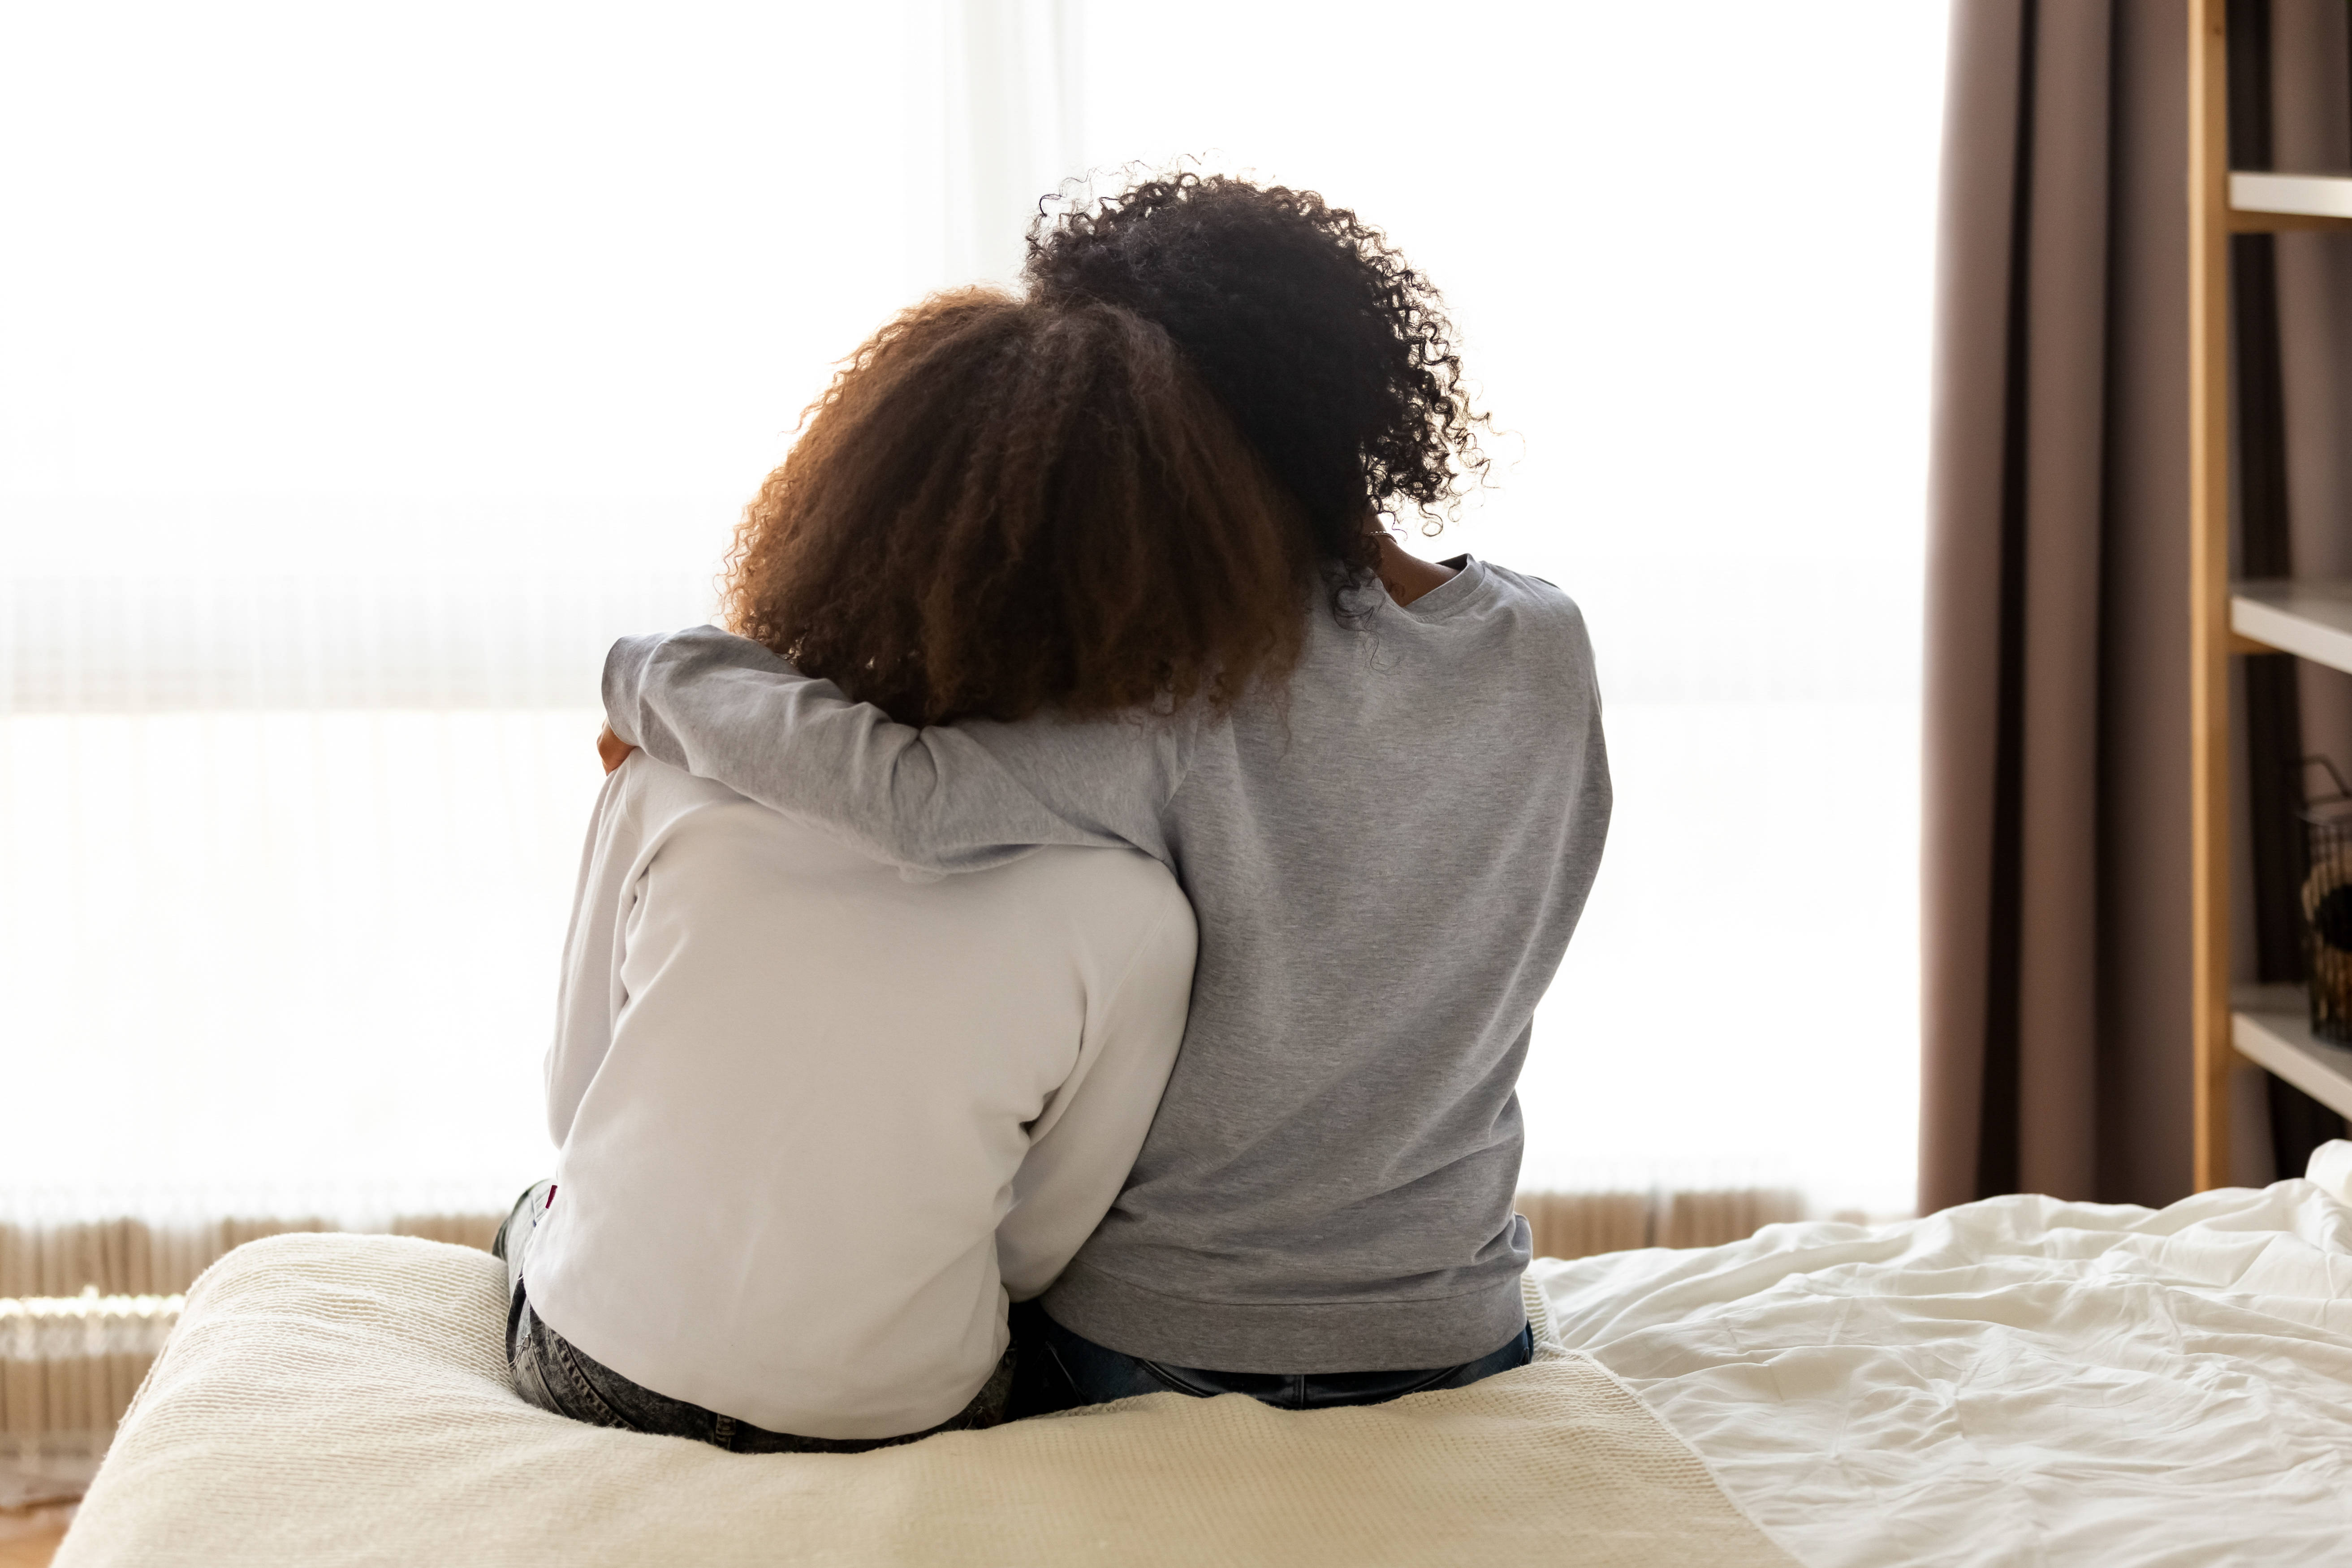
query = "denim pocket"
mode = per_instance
[
  {"x": 588, "y": 1402},
  {"x": 1172, "y": 1380}
]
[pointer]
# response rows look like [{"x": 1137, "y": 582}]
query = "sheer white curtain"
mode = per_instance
[{"x": 361, "y": 373}]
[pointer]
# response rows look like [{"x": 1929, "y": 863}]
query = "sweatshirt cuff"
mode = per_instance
[{"x": 624, "y": 665}]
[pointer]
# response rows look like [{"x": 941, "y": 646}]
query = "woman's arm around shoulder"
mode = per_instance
[{"x": 945, "y": 797}]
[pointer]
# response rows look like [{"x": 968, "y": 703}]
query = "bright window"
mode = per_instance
[{"x": 363, "y": 372}]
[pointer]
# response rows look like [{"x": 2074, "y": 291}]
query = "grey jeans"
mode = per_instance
[{"x": 555, "y": 1374}]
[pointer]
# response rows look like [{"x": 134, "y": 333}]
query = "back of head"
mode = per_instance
[
  {"x": 1334, "y": 356},
  {"x": 1006, "y": 506}
]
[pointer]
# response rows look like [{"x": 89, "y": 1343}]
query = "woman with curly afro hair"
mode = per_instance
[{"x": 1386, "y": 849}]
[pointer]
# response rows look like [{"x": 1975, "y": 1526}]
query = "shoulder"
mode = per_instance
[
  {"x": 1539, "y": 612},
  {"x": 1537, "y": 595},
  {"x": 1121, "y": 904},
  {"x": 1129, "y": 880},
  {"x": 654, "y": 800}
]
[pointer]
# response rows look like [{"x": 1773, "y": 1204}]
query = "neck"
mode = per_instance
[{"x": 1408, "y": 577}]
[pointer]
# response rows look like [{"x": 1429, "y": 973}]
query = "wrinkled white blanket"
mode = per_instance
[
  {"x": 2014, "y": 1382},
  {"x": 2019, "y": 1381},
  {"x": 338, "y": 1400}
]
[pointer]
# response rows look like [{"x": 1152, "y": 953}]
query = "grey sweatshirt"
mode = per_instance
[{"x": 1386, "y": 866}]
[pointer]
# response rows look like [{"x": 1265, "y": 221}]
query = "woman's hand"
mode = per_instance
[{"x": 613, "y": 750}]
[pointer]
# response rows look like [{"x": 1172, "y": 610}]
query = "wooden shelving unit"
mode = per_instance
[{"x": 2312, "y": 620}]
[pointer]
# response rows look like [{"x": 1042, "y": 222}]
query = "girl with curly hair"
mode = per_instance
[
  {"x": 794, "y": 1095},
  {"x": 1386, "y": 850}
]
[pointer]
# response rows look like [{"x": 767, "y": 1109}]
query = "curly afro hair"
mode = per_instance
[
  {"x": 1333, "y": 356},
  {"x": 1002, "y": 506}
]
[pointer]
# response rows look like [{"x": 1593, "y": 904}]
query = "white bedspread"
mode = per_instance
[
  {"x": 2014, "y": 1382},
  {"x": 343, "y": 1401}
]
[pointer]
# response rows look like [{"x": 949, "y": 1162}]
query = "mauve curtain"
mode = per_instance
[
  {"x": 2055, "y": 829},
  {"x": 2055, "y": 817}
]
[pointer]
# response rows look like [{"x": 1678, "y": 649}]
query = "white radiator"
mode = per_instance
[
  {"x": 1579, "y": 1224},
  {"x": 68, "y": 1370},
  {"x": 161, "y": 1257}
]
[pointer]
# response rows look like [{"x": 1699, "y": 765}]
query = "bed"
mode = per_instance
[
  {"x": 2018, "y": 1381},
  {"x": 2015, "y": 1381}
]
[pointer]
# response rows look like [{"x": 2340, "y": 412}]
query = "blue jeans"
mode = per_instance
[
  {"x": 553, "y": 1373},
  {"x": 1060, "y": 1370}
]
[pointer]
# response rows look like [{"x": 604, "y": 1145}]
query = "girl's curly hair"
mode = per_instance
[
  {"x": 1333, "y": 355},
  {"x": 1002, "y": 506}
]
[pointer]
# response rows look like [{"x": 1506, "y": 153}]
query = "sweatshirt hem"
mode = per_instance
[{"x": 1287, "y": 1337}]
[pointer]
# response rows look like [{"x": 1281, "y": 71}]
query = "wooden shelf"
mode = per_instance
[
  {"x": 2312, "y": 619},
  {"x": 2272, "y": 1027},
  {"x": 2307, "y": 195},
  {"x": 2264, "y": 202}
]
